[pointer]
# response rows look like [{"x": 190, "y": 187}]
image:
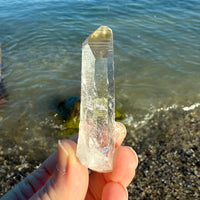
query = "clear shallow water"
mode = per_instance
[{"x": 157, "y": 62}]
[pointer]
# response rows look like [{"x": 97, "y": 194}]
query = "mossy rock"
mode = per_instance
[{"x": 72, "y": 113}]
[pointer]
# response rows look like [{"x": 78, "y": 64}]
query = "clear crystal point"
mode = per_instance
[{"x": 96, "y": 143}]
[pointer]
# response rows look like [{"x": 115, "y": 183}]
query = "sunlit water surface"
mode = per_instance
[{"x": 157, "y": 59}]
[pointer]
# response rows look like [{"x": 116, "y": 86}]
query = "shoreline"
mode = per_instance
[{"x": 167, "y": 146}]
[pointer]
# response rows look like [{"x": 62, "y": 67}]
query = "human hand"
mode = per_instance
[{"x": 62, "y": 176}]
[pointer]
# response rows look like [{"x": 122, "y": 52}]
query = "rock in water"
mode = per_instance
[{"x": 96, "y": 143}]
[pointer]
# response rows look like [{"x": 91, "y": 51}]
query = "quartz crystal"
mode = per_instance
[{"x": 96, "y": 142}]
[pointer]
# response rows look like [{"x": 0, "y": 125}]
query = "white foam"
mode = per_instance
[
  {"x": 129, "y": 120},
  {"x": 192, "y": 107}
]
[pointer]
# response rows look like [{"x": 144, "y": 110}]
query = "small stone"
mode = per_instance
[
  {"x": 189, "y": 153},
  {"x": 198, "y": 163}
]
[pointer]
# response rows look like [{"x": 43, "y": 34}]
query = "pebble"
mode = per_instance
[{"x": 168, "y": 158}]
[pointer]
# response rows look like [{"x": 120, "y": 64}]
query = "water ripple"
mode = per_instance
[{"x": 156, "y": 45}]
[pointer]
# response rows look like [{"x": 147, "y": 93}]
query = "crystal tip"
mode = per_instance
[{"x": 102, "y": 33}]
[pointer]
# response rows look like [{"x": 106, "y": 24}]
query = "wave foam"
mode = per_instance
[{"x": 129, "y": 120}]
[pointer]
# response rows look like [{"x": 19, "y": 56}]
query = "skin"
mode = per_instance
[{"x": 62, "y": 176}]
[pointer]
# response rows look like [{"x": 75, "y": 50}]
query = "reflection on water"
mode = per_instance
[{"x": 156, "y": 43}]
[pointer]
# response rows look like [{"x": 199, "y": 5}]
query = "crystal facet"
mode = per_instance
[{"x": 96, "y": 143}]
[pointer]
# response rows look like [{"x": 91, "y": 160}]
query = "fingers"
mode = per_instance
[
  {"x": 125, "y": 159},
  {"x": 96, "y": 184},
  {"x": 39, "y": 177},
  {"x": 114, "y": 191},
  {"x": 76, "y": 175},
  {"x": 34, "y": 181},
  {"x": 70, "y": 180},
  {"x": 124, "y": 164}
]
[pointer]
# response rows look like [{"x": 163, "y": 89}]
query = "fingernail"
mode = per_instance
[
  {"x": 120, "y": 129},
  {"x": 62, "y": 158},
  {"x": 120, "y": 133}
]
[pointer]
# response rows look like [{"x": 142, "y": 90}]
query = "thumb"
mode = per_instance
[{"x": 69, "y": 176}]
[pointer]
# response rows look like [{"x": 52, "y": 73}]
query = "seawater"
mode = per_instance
[{"x": 157, "y": 59}]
